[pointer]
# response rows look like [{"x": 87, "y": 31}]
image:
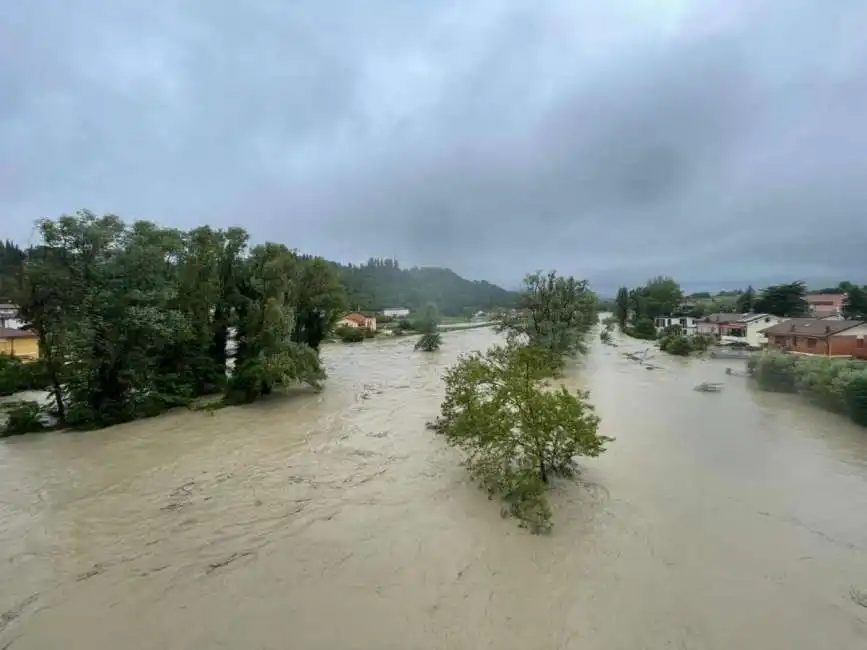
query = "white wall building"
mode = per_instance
[
  {"x": 396, "y": 312},
  {"x": 687, "y": 323}
]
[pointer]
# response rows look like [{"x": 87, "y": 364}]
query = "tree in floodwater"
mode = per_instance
[
  {"x": 266, "y": 355},
  {"x": 621, "y": 304},
  {"x": 134, "y": 318},
  {"x": 428, "y": 324},
  {"x": 555, "y": 313},
  {"x": 517, "y": 430}
]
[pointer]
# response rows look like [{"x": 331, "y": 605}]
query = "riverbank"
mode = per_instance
[{"x": 262, "y": 525}]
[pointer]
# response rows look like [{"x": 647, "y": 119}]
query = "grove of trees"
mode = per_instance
[
  {"x": 516, "y": 429},
  {"x": 135, "y": 318}
]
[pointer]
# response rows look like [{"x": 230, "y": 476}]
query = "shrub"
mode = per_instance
[
  {"x": 22, "y": 417},
  {"x": 16, "y": 376},
  {"x": 350, "y": 334},
  {"x": 835, "y": 384},
  {"x": 676, "y": 344},
  {"x": 641, "y": 329}
]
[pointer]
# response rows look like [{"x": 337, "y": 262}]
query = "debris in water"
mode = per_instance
[
  {"x": 708, "y": 387},
  {"x": 858, "y": 597}
]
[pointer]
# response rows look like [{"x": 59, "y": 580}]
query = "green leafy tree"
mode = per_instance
[
  {"x": 554, "y": 312},
  {"x": 428, "y": 324},
  {"x": 784, "y": 300},
  {"x": 321, "y": 300},
  {"x": 516, "y": 430},
  {"x": 660, "y": 296},
  {"x": 266, "y": 356},
  {"x": 855, "y": 303},
  {"x": 746, "y": 301},
  {"x": 621, "y": 312}
]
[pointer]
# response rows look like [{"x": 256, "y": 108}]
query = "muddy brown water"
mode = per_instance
[{"x": 337, "y": 521}]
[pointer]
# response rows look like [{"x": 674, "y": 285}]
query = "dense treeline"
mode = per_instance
[
  {"x": 135, "y": 318},
  {"x": 381, "y": 283},
  {"x": 518, "y": 431}
]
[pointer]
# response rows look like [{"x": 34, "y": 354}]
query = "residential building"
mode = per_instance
[
  {"x": 23, "y": 344},
  {"x": 714, "y": 324},
  {"x": 687, "y": 324},
  {"x": 823, "y": 337},
  {"x": 356, "y": 319},
  {"x": 9, "y": 317},
  {"x": 396, "y": 312},
  {"x": 825, "y": 304}
]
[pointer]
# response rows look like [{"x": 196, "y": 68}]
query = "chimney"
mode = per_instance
[
  {"x": 827, "y": 329},
  {"x": 792, "y": 327}
]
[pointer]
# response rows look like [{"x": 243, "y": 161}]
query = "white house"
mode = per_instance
[
  {"x": 687, "y": 324},
  {"x": 396, "y": 312},
  {"x": 9, "y": 318},
  {"x": 753, "y": 324}
]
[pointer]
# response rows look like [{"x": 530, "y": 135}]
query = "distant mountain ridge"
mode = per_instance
[{"x": 380, "y": 283}]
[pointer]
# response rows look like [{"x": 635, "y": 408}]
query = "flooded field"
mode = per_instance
[{"x": 336, "y": 521}]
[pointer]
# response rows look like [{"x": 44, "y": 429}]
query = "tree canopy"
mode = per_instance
[
  {"x": 516, "y": 429},
  {"x": 135, "y": 318},
  {"x": 784, "y": 300}
]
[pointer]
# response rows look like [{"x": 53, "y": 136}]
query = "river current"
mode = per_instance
[{"x": 337, "y": 521}]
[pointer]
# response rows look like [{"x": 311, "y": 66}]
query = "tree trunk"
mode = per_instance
[{"x": 543, "y": 472}]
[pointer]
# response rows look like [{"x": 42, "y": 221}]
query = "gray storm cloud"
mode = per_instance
[{"x": 720, "y": 142}]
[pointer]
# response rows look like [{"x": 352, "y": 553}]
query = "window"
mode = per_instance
[
  {"x": 811, "y": 343},
  {"x": 683, "y": 322}
]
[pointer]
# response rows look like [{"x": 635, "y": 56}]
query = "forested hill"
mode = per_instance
[{"x": 381, "y": 283}]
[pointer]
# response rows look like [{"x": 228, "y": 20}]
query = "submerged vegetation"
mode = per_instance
[
  {"x": 517, "y": 430},
  {"x": 839, "y": 385}
]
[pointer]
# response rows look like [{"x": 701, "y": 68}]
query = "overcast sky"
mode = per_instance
[{"x": 719, "y": 141}]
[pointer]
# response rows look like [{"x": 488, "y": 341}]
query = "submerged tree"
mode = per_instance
[
  {"x": 621, "y": 306},
  {"x": 517, "y": 430},
  {"x": 428, "y": 324}
]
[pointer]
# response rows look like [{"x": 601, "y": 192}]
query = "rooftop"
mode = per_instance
[
  {"x": 9, "y": 333},
  {"x": 818, "y": 327}
]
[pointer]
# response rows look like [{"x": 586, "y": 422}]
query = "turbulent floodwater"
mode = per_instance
[{"x": 337, "y": 521}]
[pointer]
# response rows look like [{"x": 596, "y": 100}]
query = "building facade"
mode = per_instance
[
  {"x": 356, "y": 319},
  {"x": 820, "y": 337},
  {"x": 825, "y": 304},
  {"x": 23, "y": 344},
  {"x": 396, "y": 312}
]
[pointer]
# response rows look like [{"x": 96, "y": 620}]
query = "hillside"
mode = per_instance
[{"x": 381, "y": 283}]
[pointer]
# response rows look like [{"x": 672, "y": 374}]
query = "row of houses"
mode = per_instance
[
  {"x": 746, "y": 327},
  {"x": 830, "y": 335}
]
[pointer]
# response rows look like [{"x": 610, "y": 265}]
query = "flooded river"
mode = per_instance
[{"x": 336, "y": 521}]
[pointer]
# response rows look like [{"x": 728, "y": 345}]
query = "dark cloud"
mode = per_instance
[{"x": 720, "y": 142}]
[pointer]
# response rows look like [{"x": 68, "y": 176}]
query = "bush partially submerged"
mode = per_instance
[
  {"x": 838, "y": 385},
  {"x": 517, "y": 431},
  {"x": 22, "y": 417}
]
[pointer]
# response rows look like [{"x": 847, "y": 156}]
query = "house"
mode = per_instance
[
  {"x": 396, "y": 312},
  {"x": 356, "y": 319},
  {"x": 687, "y": 324},
  {"x": 23, "y": 344},
  {"x": 825, "y": 304},
  {"x": 719, "y": 324},
  {"x": 819, "y": 336},
  {"x": 9, "y": 317}
]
